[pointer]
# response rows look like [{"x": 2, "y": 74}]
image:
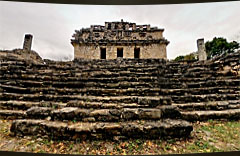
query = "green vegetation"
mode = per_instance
[
  {"x": 210, "y": 136},
  {"x": 217, "y": 46},
  {"x": 188, "y": 57},
  {"x": 220, "y": 46}
]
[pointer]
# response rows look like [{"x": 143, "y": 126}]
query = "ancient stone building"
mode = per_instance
[{"x": 119, "y": 40}]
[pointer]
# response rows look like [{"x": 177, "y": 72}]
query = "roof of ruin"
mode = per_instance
[{"x": 111, "y": 32}]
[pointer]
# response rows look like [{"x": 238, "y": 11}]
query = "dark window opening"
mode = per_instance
[
  {"x": 97, "y": 35},
  {"x": 119, "y": 52},
  {"x": 103, "y": 53},
  {"x": 109, "y": 26},
  {"x": 136, "y": 53}
]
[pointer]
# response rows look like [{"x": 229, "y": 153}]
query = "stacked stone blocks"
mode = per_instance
[{"x": 123, "y": 98}]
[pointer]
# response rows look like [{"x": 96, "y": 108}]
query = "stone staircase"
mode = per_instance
[
  {"x": 84, "y": 99},
  {"x": 120, "y": 98},
  {"x": 211, "y": 89}
]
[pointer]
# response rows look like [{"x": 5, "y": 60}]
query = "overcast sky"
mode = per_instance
[{"x": 52, "y": 25}]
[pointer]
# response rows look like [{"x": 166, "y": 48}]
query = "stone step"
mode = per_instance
[
  {"x": 198, "y": 69},
  {"x": 101, "y": 130},
  {"x": 134, "y": 78},
  {"x": 146, "y": 100},
  {"x": 80, "y": 73},
  {"x": 229, "y": 114},
  {"x": 204, "y": 98},
  {"x": 64, "y": 66},
  {"x": 118, "y": 89},
  {"x": 69, "y": 70},
  {"x": 12, "y": 114},
  {"x": 211, "y": 105},
  {"x": 113, "y": 72},
  {"x": 76, "y": 87},
  {"x": 24, "y": 105},
  {"x": 38, "y": 77},
  {"x": 122, "y": 84},
  {"x": 93, "y": 115},
  {"x": 86, "y": 115},
  {"x": 212, "y": 83}
]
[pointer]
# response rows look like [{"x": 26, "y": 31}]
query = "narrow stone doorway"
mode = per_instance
[
  {"x": 136, "y": 53},
  {"x": 103, "y": 53},
  {"x": 120, "y": 52}
]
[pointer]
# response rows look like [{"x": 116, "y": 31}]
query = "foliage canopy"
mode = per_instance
[{"x": 220, "y": 46}]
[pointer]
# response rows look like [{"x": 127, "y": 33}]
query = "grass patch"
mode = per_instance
[{"x": 210, "y": 136}]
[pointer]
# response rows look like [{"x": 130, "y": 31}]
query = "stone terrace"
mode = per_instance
[{"x": 119, "y": 98}]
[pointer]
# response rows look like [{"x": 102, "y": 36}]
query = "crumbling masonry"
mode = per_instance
[
  {"x": 202, "y": 55},
  {"x": 27, "y": 44},
  {"x": 119, "y": 40},
  {"x": 119, "y": 98}
]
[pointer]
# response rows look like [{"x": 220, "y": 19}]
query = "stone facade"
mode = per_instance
[{"x": 119, "y": 40}]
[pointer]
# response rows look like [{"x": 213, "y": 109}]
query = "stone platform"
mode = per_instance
[{"x": 101, "y": 99}]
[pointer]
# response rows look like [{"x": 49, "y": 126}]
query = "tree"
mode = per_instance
[
  {"x": 179, "y": 58},
  {"x": 189, "y": 57},
  {"x": 220, "y": 46},
  {"x": 185, "y": 58}
]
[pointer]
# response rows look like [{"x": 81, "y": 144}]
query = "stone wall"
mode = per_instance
[
  {"x": 87, "y": 42},
  {"x": 146, "y": 51}
]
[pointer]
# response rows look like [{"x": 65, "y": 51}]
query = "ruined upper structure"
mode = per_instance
[{"x": 119, "y": 40}]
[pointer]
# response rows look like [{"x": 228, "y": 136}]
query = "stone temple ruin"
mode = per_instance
[
  {"x": 119, "y": 40},
  {"x": 115, "y": 98}
]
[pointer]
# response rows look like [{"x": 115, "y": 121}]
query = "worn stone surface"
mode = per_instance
[
  {"x": 202, "y": 55},
  {"x": 12, "y": 114},
  {"x": 148, "y": 129},
  {"x": 40, "y": 112},
  {"x": 116, "y": 98},
  {"x": 135, "y": 41},
  {"x": 27, "y": 45},
  {"x": 206, "y": 115}
]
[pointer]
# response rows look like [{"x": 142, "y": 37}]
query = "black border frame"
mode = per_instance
[{"x": 119, "y": 2}]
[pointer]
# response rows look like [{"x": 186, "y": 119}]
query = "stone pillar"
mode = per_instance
[
  {"x": 134, "y": 26},
  {"x": 27, "y": 42},
  {"x": 148, "y": 27},
  {"x": 201, "y": 50},
  {"x": 91, "y": 29},
  {"x": 126, "y": 27}
]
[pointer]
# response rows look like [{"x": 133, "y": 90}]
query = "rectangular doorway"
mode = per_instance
[
  {"x": 136, "y": 53},
  {"x": 103, "y": 53},
  {"x": 120, "y": 52}
]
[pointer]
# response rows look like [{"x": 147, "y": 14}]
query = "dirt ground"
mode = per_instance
[{"x": 210, "y": 136}]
